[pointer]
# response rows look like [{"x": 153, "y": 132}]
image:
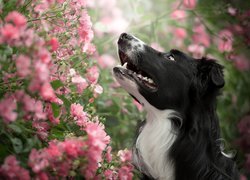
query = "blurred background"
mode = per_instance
[{"x": 216, "y": 29}]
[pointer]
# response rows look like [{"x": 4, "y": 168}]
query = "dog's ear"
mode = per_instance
[{"x": 210, "y": 74}]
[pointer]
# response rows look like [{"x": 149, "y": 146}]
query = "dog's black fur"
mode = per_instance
[{"x": 190, "y": 87}]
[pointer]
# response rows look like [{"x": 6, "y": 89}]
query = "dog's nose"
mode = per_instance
[{"x": 125, "y": 36}]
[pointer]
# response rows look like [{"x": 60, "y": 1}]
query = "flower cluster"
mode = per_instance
[{"x": 46, "y": 79}]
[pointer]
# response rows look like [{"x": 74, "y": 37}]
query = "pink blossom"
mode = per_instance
[
  {"x": 76, "y": 110},
  {"x": 23, "y": 65},
  {"x": 180, "y": 33},
  {"x": 74, "y": 148},
  {"x": 225, "y": 43},
  {"x": 47, "y": 92},
  {"x": 39, "y": 113},
  {"x": 81, "y": 117},
  {"x": 96, "y": 135},
  {"x": 41, "y": 72},
  {"x": 9, "y": 33},
  {"x": 28, "y": 103},
  {"x": 92, "y": 74},
  {"x": 54, "y": 44},
  {"x": 18, "y": 19},
  {"x": 38, "y": 160},
  {"x": 7, "y": 109},
  {"x": 11, "y": 169},
  {"x": 54, "y": 151},
  {"x": 44, "y": 55},
  {"x": 125, "y": 173},
  {"x": 84, "y": 30},
  {"x": 88, "y": 48},
  {"x": 196, "y": 50},
  {"x": 42, "y": 128},
  {"x": 110, "y": 174},
  {"x": 190, "y": 4},
  {"x": 241, "y": 62},
  {"x": 232, "y": 11},
  {"x": 200, "y": 35},
  {"x": 106, "y": 61},
  {"x": 81, "y": 83},
  {"x": 98, "y": 89},
  {"x": 178, "y": 14},
  {"x": 125, "y": 155}
]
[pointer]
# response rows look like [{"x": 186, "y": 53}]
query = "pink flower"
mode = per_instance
[
  {"x": 38, "y": 160},
  {"x": 225, "y": 43},
  {"x": 74, "y": 147},
  {"x": 84, "y": 30},
  {"x": 18, "y": 19},
  {"x": 44, "y": 55},
  {"x": 7, "y": 109},
  {"x": 178, "y": 14},
  {"x": 97, "y": 136},
  {"x": 41, "y": 72},
  {"x": 54, "y": 44},
  {"x": 125, "y": 155},
  {"x": 98, "y": 90},
  {"x": 190, "y": 4},
  {"x": 93, "y": 74},
  {"x": 11, "y": 169},
  {"x": 241, "y": 62},
  {"x": 9, "y": 33},
  {"x": 110, "y": 175},
  {"x": 196, "y": 50},
  {"x": 200, "y": 36},
  {"x": 106, "y": 61},
  {"x": 125, "y": 173},
  {"x": 81, "y": 117},
  {"x": 39, "y": 114},
  {"x": 180, "y": 33},
  {"x": 23, "y": 65},
  {"x": 232, "y": 11},
  {"x": 47, "y": 92},
  {"x": 80, "y": 82},
  {"x": 54, "y": 152}
]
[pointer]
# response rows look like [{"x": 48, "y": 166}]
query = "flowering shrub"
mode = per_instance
[{"x": 49, "y": 127}]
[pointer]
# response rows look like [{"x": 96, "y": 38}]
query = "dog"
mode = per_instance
[{"x": 180, "y": 138}]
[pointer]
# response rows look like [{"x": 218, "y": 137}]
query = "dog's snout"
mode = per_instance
[{"x": 125, "y": 36}]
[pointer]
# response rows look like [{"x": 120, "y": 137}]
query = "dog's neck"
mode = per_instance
[{"x": 153, "y": 144}]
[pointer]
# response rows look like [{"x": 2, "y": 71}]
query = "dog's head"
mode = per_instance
[{"x": 165, "y": 80}]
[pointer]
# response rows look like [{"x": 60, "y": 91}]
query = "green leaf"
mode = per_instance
[
  {"x": 17, "y": 145},
  {"x": 56, "y": 84},
  {"x": 15, "y": 128},
  {"x": 56, "y": 109}
]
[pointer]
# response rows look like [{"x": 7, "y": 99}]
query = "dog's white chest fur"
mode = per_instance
[{"x": 153, "y": 144}]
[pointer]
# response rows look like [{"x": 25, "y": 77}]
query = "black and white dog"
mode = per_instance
[{"x": 180, "y": 138}]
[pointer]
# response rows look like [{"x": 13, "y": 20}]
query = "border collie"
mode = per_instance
[{"x": 180, "y": 138}]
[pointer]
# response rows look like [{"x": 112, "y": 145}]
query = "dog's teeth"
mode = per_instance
[
  {"x": 125, "y": 65},
  {"x": 139, "y": 76},
  {"x": 145, "y": 78},
  {"x": 150, "y": 80}
]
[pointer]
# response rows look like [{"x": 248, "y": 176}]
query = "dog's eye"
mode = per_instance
[{"x": 170, "y": 57}]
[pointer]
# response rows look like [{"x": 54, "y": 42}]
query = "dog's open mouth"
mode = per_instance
[{"x": 141, "y": 77}]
